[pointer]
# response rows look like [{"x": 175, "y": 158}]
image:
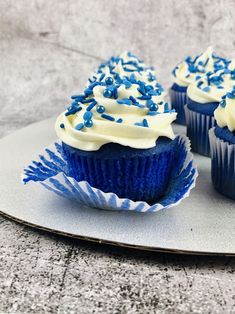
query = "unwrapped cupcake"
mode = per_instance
[
  {"x": 189, "y": 71},
  {"x": 222, "y": 143},
  {"x": 117, "y": 149},
  {"x": 119, "y": 139}
]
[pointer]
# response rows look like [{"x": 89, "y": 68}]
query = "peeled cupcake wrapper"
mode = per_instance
[
  {"x": 178, "y": 101},
  {"x": 198, "y": 125},
  {"x": 51, "y": 172},
  {"x": 222, "y": 165}
]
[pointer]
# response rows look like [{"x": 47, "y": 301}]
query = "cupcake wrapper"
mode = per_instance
[
  {"x": 198, "y": 125},
  {"x": 146, "y": 176},
  {"x": 178, "y": 101},
  {"x": 222, "y": 165},
  {"x": 51, "y": 172}
]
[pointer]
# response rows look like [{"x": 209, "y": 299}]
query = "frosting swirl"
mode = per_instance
[
  {"x": 124, "y": 66},
  {"x": 125, "y": 110},
  {"x": 225, "y": 112},
  {"x": 192, "y": 69},
  {"x": 212, "y": 86}
]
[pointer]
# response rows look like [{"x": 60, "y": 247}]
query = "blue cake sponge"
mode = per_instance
[
  {"x": 225, "y": 134},
  {"x": 204, "y": 108},
  {"x": 137, "y": 174}
]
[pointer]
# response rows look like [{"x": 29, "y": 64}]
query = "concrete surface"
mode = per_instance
[{"x": 47, "y": 51}]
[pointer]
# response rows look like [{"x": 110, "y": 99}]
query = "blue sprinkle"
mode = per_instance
[
  {"x": 151, "y": 77},
  {"x": 62, "y": 125},
  {"x": 155, "y": 92},
  {"x": 141, "y": 91},
  {"x": 230, "y": 95},
  {"x": 125, "y": 101},
  {"x": 206, "y": 89},
  {"x": 220, "y": 87},
  {"x": 153, "y": 107},
  {"x": 132, "y": 78},
  {"x": 207, "y": 60},
  {"x": 107, "y": 93},
  {"x": 73, "y": 111},
  {"x": 223, "y": 103},
  {"x": 197, "y": 77},
  {"x": 115, "y": 93},
  {"x": 149, "y": 88},
  {"x": 101, "y": 77},
  {"x": 74, "y": 103},
  {"x": 133, "y": 100},
  {"x": 107, "y": 117},
  {"x": 127, "y": 83},
  {"x": 91, "y": 106},
  {"x": 87, "y": 115},
  {"x": 100, "y": 109},
  {"x": 145, "y": 97},
  {"x": 79, "y": 126},
  {"x": 88, "y": 123},
  {"x": 145, "y": 123},
  {"x": 77, "y": 96},
  {"x": 119, "y": 120},
  {"x": 109, "y": 80},
  {"x": 87, "y": 101},
  {"x": 166, "y": 107},
  {"x": 199, "y": 84}
]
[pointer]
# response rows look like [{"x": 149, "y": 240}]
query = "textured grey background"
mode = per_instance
[{"x": 47, "y": 51}]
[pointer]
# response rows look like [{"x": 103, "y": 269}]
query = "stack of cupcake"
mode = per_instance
[{"x": 117, "y": 137}]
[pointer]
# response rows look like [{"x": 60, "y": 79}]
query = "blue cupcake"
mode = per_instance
[
  {"x": 203, "y": 97},
  {"x": 189, "y": 71},
  {"x": 117, "y": 136},
  {"x": 222, "y": 143}
]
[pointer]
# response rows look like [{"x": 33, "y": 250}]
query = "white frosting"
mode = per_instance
[
  {"x": 225, "y": 114},
  {"x": 125, "y": 65},
  {"x": 126, "y": 133},
  {"x": 206, "y": 62},
  {"x": 196, "y": 91}
]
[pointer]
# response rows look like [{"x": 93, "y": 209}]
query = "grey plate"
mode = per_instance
[{"x": 204, "y": 223}]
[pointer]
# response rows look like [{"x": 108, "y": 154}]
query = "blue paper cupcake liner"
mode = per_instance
[
  {"x": 178, "y": 101},
  {"x": 222, "y": 165},
  {"x": 51, "y": 172},
  {"x": 147, "y": 172},
  {"x": 198, "y": 125}
]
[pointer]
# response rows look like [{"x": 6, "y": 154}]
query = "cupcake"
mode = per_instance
[
  {"x": 222, "y": 144},
  {"x": 203, "y": 97},
  {"x": 124, "y": 66},
  {"x": 118, "y": 137},
  {"x": 189, "y": 71}
]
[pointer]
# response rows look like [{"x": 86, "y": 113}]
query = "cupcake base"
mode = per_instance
[
  {"x": 51, "y": 172},
  {"x": 130, "y": 173},
  {"x": 222, "y": 165},
  {"x": 198, "y": 125},
  {"x": 178, "y": 98}
]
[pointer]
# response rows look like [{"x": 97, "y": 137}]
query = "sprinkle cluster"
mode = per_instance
[
  {"x": 230, "y": 95},
  {"x": 215, "y": 79},
  {"x": 198, "y": 66},
  {"x": 111, "y": 87}
]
